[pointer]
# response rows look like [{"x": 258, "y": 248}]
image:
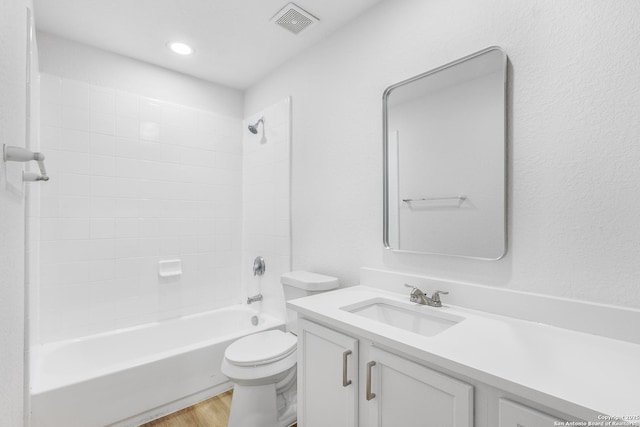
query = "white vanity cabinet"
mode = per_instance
[
  {"x": 403, "y": 393},
  {"x": 512, "y": 414},
  {"x": 327, "y": 377},
  {"x": 481, "y": 370},
  {"x": 397, "y": 392}
]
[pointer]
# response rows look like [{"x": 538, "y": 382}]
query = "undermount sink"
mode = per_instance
[{"x": 414, "y": 318}]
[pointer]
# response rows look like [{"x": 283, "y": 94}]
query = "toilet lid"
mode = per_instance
[{"x": 261, "y": 348}]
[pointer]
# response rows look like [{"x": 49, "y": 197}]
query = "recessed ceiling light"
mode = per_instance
[{"x": 180, "y": 48}]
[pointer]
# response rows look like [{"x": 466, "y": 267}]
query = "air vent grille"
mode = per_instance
[{"x": 294, "y": 18}]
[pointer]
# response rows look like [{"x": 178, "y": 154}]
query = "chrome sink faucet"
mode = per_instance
[{"x": 418, "y": 296}]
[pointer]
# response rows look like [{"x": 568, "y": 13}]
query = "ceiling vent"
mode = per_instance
[{"x": 294, "y": 18}]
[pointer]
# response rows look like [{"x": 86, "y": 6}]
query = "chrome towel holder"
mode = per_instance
[{"x": 19, "y": 154}]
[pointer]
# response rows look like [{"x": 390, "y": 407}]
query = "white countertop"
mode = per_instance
[{"x": 577, "y": 373}]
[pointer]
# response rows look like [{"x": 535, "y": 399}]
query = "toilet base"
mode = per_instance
[{"x": 261, "y": 405}]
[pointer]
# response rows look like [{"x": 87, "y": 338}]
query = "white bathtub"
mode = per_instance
[{"x": 133, "y": 375}]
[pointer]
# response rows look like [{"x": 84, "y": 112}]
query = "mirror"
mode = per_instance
[{"x": 445, "y": 159}]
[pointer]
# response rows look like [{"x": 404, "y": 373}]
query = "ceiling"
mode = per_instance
[{"x": 235, "y": 42}]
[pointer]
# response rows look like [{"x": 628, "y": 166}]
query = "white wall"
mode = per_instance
[
  {"x": 134, "y": 181},
  {"x": 13, "y": 61},
  {"x": 574, "y": 133},
  {"x": 72, "y": 60}
]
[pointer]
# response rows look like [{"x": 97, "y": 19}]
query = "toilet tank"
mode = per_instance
[{"x": 298, "y": 284}]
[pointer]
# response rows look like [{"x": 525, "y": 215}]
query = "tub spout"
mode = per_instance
[{"x": 254, "y": 298}]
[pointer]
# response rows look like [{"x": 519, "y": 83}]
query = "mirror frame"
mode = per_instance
[{"x": 385, "y": 154}]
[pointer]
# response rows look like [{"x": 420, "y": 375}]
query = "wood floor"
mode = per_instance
[{"x": 210, "y": 413}]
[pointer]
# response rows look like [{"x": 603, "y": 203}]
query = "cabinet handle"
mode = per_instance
[
  {"x": 369, "y": 394},
  {"x": 345, "y": 381}
]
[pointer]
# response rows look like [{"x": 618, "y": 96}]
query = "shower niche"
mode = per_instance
[{"x": 444, "y": 141}]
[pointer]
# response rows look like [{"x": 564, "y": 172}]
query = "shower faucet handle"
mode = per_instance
[{"x": 259, "y": 266}]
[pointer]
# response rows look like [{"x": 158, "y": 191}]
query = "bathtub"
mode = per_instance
[{"x": 134, "y": 375}]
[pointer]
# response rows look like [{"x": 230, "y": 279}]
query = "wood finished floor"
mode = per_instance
[{"x": 213, "y": 412}]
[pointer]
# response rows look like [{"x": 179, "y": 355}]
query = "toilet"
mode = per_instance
[{"x": 262, "y": 366}]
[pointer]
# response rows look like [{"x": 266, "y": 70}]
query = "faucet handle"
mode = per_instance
[
  {"x": 436, "y": 295},
  {"x": 414, "y": 292}
]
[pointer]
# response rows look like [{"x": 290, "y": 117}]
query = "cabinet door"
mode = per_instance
[
  {"x": 327, "y": 377},
  {"x": 515, "y": 415},
  {"x": 410, "y": 395}
]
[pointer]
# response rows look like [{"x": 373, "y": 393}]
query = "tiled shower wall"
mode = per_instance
[
  {"x": 134, "y": 181},
  {"x": 266, "y": 226}
]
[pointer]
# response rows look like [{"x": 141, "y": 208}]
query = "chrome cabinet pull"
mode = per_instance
[
  {"x": 345, "y": 381},
  {"x": 369, "y": 394}
]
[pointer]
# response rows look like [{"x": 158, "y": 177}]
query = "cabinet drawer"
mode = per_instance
[{"x": 515, "y": 415}]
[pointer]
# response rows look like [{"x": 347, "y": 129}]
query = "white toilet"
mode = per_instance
[{"x": 262, "y": 366}]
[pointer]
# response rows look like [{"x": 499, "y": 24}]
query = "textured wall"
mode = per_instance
[
  {"x": 574, "y": 152},
  {"x": 12, "y": 131}
]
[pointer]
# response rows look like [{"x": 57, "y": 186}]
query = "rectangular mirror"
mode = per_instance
[{"x": 445, "y": 159}]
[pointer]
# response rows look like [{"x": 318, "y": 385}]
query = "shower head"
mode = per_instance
[{"x": 254, "y": 128}]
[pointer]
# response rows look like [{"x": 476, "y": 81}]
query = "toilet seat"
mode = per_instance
[{"x": 261, "y": 349}]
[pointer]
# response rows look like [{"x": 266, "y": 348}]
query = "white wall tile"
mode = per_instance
[
  {"x": 128, "y": 248},
  {"x": 102, "y": 123},
  {"x": 102, "y": 99},
  {"x": 150, "y": 110},
  {"x": 102, "y": 207},
  {"x": 102, "y": 270},
  {"x": 50, "y": 138},
  {"x": 103, "y": 228},
  {"x": 126, "y": 227},
  {"x": 72, "y": 184},
  {"x": 127, "y": 168},
  {"x": 73, "y": 140},
  {"x": 127, "y": 127},
  {"x": 102, "y": 165},
  {"x": 150, "y": 131},
  {"x": 51, "y": 88},
  {"x": 50, "y": 114},
  {"x": 127, "y": 104},
  {"x": 71, "y": 207},
  {"x": 136, "y": 180},
  {"x": 75, "y": 94},
  {"x": 75, "y": 118},
  {"x": 101, "y": 144},
  {"x": 103, "y": 186},
  {"x": 125, "y": 147}
]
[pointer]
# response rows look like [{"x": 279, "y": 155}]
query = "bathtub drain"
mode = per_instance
[{"x": 254, "y": 320}]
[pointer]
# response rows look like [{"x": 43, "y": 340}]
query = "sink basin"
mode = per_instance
[{"x": 419, "y": 319}]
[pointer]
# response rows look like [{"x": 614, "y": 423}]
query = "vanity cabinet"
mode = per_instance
[
  {"x": 410, "y": 395},
  {"x": 327, "y": 377},
  {"x": 396, "y": 392},
  {"x": 515, "y": 415}
]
